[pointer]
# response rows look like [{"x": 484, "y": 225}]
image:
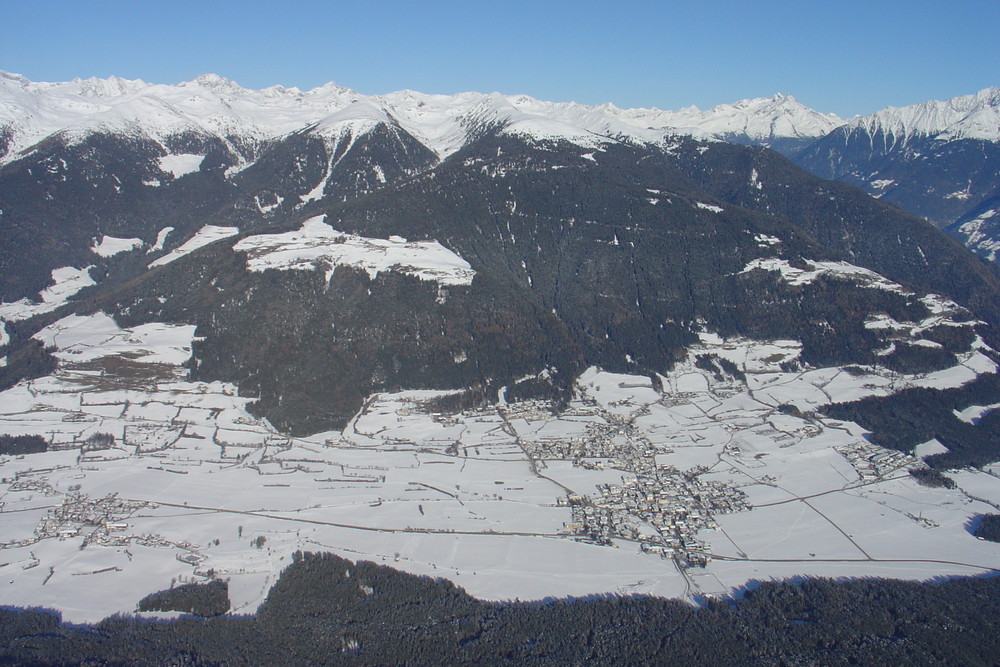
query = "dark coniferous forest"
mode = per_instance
[
  {"x": 327, "y": 610},
  {"x": 988, "y": 527}
]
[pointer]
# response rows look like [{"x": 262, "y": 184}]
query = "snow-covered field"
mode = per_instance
[
  {"x": 204, "y": 236},
  {"x": 317, "y": 245},
  {"x": 194, "y": 486},
  {"x": 109, "y": 246},
  {"x": 180, "y": 165},
  {"x": 66, "y": 282}
]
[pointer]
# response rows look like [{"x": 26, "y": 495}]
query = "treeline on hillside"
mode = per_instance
[
  {"x": 913, "y": 416},
  {"x": 325, "y": 610},
  {"x": 933, "y": 478},
  {"x": 829, "y": 315}
]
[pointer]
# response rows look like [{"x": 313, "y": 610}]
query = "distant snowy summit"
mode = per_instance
[
  {"x": 975, "y": 116},
  {"x": 210, "y": 104},
  {"x": 939, "y": 159},
  {"x": 778, "y": 122}
]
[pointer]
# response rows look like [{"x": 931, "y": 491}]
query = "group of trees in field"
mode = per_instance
[
  {"x": 22, "y": 444},
  {"x": 207, "y": 599},
  {"x": 988, "y": 527}
]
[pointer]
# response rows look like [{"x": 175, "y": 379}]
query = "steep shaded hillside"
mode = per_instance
[
  {"x": 900, "y": 246},
  {"x": 613, "y": 258},
  {"x": 60, "y": 200},
  {"x": 339, "y": 162},
  {"x": 937, "y": 159},
  {"x": 939, "y": 179},
  {"x": 580, "y": 239}
]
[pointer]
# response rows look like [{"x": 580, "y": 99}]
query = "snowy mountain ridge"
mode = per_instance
[
  {"x": 213, "y": 105},
  {"x": 975, "y": 116},
  {"x": 761, "y": 118}
]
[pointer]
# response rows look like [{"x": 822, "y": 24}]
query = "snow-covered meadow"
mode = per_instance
[{"x": 316, "y": 244}]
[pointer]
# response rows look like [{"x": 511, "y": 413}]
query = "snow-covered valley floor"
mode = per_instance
[{"x": 693, "y": 488}]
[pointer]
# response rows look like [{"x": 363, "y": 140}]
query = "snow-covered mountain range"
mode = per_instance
[
  {"x": 31, "y": 111},
  {"x": 211, "y": 104},
  {"x": 939, "y": 159},
  {"x": 975, "y": 116}
]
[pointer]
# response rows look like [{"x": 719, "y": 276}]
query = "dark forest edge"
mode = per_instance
[
  {"x": 903, "y": 420},
  {"x": 328, "y": 610},
  {"x": 201, "y": 599},
  {"x": 987, "y": 527}
]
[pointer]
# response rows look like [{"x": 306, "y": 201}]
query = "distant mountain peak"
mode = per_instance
[
  {"x": 12, "y": 79},
  {"x": 111, "y": 86},
  {"x": 975, "y": 116},
  {"x": 761, "y": 119},
  {"x": 773, "y": 100},
  {"x": 215, "y": 82}
]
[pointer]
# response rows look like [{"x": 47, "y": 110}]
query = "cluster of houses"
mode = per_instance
[
  {"x": 655, "y": 505},
  {"x": 872, "y": 462},
  {"x": 659, "y": 507},
  {"x": 102, "y": 520},
  {"x": 31, "y": 484},
  {"x": 614, "y": 438}
]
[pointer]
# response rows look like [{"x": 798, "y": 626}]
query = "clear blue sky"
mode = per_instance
[{"x": 844, "y": 56}]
